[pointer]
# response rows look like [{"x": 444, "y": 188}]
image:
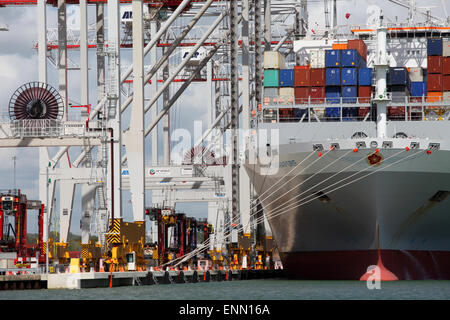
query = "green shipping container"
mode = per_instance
[{"x": 271, "y": 78}]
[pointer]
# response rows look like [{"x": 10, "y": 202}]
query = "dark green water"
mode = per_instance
[{"x": 250, "y": 290}]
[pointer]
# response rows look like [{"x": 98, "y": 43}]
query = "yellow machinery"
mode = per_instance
[
  {"x": 91, "y": 254},
  {"x": 126, "y": 241},
  {"x": 58, "y": 251}
]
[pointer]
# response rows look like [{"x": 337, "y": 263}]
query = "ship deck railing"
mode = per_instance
[{"x": 287, "y": 109}]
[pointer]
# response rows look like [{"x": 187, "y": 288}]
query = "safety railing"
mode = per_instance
[{"x": 425, "y": 108}]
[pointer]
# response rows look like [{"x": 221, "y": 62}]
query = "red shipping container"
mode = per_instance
[
  {"x": 358, "y": 45},
  {"x": 317, "y": 77},
  {"x": 446, "y": 65},
  {"x": 434, "y": 64},
  {"x": 301, "y": 77},
  {"x": 301, "y": 95},
  {"x": 362, "y": 112},
  {"x": 317, "y": 94},
  {"x": 364, "y": 93},
  {"x": 434, "y": 82},
  {"x": 446, "y": 83}
]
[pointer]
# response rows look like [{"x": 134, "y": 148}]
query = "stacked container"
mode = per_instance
[
  {"x": 333, "y": 81},
  {"x": 446, "y": 69},
  {"x": 435, "y": 62},
  {"x": 345, "y": 72},
  {"x": 273, "y": 63},
  {"x": 309, "y": 81}
]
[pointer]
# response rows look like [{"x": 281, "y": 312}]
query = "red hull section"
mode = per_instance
[{"x": 351, "y": 265}]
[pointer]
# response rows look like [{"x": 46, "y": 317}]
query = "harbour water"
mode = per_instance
[{"x": 272, "y": 289}]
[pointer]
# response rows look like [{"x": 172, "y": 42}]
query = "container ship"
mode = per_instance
[{"x": 361, "y": 171}]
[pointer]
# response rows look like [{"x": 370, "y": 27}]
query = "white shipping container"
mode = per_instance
[
  {"x": 271, "y": 92},
  {"x": 287, "y": 92},
  {"x": 317, "y": 58},
  {"x": 287, "y": 95},
  {"x": 274, "y": 60},
  {"x": 416, "y": 74},
  {"x": 446, "y": 95},
  {"x": 446, "y": 48}
]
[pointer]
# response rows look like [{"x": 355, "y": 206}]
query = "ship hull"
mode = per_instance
[
  {"x": 351, "y": 265},
  {"x": 401, "y": 209}
]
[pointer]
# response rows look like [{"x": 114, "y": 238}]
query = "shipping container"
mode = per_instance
[
  {"x": 416, "y": 74},
  {"x": 349, "y": 76},
  {"x": 360, "y": 46},
  {"x": 446, "y": 96},
  {"x": 434, "y": 64},
  {"x": 339, "y": 46},
  {"x": 396, "y": 113},
  {"x": 399, "y": 93},
  {"x": 317, "y": 77},
  {"x": 301, "y": 95},
  {"x": 317, "y": 94},
  {"x": 399, "y": 76},
  {"x": 333, "y": 58},
  {"x": 287, "y": 94},
  {"x": 365, "y": 76},
  {"x": 274, "y": 60},
  {"x": 446, "y": 83},
  {"x": 364, "y": 93},
  {"x": 446, "y": 65},
  {"x": 362, "y": 112},
  {"x": 286, "y": 114},
  {"x": 350, "y": 114},
  {"x": 317, "y": 58},
  {"x": 333, "y": 113},
  {"x": 434, "y": 96},
  {"x": 434, "y": 82},
  {"x": 271, "y": 96},
  {"x": 333, "y": 94},
  {"x": 286, "y": 78},
  {"x": 300, "y": 113},
  {"x": 418, "y": 89},
  {"x": 349, "y": 94},
  {"x": 434, "y": 47},
  {"x": 352, "y": 58},
  {"x": 271, "y": 92},
  {"x": 301, "y": 77},
  {"x": 271, "y": 78},
  {"x": 333, "y": 77},
  {"x": 446, "y": 48}
]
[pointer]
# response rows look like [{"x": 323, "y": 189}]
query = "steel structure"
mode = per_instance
[{"x": 229, "y": 31}]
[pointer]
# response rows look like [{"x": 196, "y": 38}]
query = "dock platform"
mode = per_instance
[{"x": 131, "y": 278}]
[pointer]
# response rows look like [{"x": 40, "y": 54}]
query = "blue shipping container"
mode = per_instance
[
  {"x": 399, "y": 77},
  {"x": 333, "y": 77},
  {"x": 365, "y": 77},
  {"x": 349, "y": 76},
  {"x": 349, "y": 94},
  {"x": 333, "y": 113},
  {"x": 333, "y": 94},
  {"x": 332, "y": 58},
  {"x": 418, "y": 89},
  {"x": 349, "y": 114},
  {"x": 434, "y": 47},
  {"x": 351, "y": 58},
  {"x": 287, "y": 78}
]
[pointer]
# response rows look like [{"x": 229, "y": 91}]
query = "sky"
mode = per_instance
[{"x": 18, "y": 65}]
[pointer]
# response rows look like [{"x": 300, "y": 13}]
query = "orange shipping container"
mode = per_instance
[
  {"x": 339, "y": 46},
  {"x": 434, "y": 96}
]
